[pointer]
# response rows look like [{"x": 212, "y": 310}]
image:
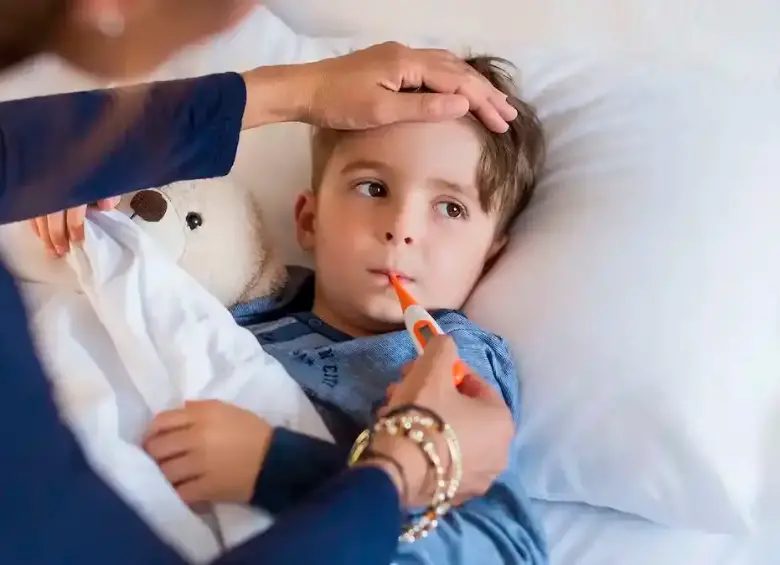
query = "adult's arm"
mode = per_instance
[
  {"x": 55, "y": 509},
  {"x": 69, "y": 149},
  {"x": 294, "y": 467}
]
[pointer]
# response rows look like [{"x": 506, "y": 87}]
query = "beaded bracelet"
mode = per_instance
[{"x": 406, "y": 422}]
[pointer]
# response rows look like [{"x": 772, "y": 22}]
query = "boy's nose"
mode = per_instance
[{"x": 390, "y": 237}]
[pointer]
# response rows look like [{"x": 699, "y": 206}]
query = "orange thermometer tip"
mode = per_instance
[
  {"x": 459, "y": 369},
  {"x": 404, "y": 297}
]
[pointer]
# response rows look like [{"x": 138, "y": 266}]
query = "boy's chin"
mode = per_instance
[{"x": 384, "y": 317}]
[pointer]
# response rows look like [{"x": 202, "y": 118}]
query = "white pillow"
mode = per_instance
[
  {"x": 641, "y": 294},
  {"x": 738, "y": 37}
]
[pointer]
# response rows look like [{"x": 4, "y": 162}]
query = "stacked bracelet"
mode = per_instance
[{"x": 416, "y": 424}]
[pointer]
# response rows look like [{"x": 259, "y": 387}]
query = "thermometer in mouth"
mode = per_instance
[{"x": 421, "y": 325}]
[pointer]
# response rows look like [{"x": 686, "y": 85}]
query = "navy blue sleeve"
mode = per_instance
[
  {"x": 295, "y": 466},
  {"x": 354, "y": 518},
  {"x": 69, "y": 149}
]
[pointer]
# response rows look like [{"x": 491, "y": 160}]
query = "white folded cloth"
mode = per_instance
[{"x": 142, "y": 337}]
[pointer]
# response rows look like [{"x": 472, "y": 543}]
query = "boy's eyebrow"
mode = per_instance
[
  {"x": 381, "y": 167},
  {"x": 453, "y": 186},
  {"x": 363, "y": 164}
]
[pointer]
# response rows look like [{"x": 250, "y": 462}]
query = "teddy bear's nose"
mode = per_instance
[{"x": 150, "y": 205}]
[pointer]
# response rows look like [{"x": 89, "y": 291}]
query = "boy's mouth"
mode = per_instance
[{"x": 403, "y": 277}]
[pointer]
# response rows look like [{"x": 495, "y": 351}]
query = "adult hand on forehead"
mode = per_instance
[{"x": 365, "y": 89}]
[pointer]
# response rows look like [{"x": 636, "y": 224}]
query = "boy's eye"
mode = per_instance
[
  {"x": 451, "y": 209},
  {"x": 372, "y": 188}
]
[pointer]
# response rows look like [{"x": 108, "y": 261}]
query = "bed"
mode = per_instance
[
  {"x": 582, "y": 535},
  {"x": 699, "y": 506},
  {"x": 726, "y": 38}
]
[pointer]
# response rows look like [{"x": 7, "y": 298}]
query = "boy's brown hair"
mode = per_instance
[{"x": 510, "y": 162}]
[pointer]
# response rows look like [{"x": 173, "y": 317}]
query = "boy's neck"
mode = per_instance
[
  {"x": 330, "y": 317},
  {"x": 353, "y": 328}
]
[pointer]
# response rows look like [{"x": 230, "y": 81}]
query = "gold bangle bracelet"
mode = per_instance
[{"x": 415, "y": 427}]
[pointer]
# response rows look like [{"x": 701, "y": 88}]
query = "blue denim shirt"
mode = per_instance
[{"x": 346, "y": 378}]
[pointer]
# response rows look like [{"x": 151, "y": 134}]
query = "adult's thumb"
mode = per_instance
[
  {"x": 475, "y": 386},
  {"x": 427, "y": 107}
]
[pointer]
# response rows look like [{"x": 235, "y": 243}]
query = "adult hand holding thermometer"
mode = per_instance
[{"x": 421, "y": 326}]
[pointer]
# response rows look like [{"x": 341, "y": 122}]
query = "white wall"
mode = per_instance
[{"x": 738, "y": 35}]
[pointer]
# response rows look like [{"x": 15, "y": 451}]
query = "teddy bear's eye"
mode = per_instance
[{"x": 194, "y": 220}]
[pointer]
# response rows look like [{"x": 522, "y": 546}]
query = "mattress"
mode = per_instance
[{"x": 582, "y": 535}]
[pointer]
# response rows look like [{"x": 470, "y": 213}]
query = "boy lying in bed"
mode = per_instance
[{"x": 432, "y": 202}]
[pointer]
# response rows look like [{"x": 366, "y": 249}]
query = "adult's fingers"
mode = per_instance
[
  {"x": 497, "y": 98},
  {"x": 394, "y": 107},
  {"x": 436, "y": 361},
  {"x": 42, "y": 224},
  {"x": 109, "y": 203},
  {"x": 437, "y": 60},
  {"x": 34, "y": 225},
  {"x": 58, "y": 232},
  {"x": 391, "y": 388},
  {"x": 485, "y": 101},
  {"x": 475, "y": 386},
  {"x": 458, "y": 65},
  {"x": 74, "y": 221},
  {"x": 454, "y": 79}
]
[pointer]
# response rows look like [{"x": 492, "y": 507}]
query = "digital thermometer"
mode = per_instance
[{"x": 421, "y": 325}]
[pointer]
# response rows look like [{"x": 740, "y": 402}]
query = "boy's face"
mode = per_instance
[{"x": 399, "y": 199}]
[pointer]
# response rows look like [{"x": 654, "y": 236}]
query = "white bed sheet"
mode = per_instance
[{"x": 583, "y": 535}]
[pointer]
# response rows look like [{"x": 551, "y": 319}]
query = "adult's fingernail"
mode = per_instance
[{"x": 453, "y": 105}]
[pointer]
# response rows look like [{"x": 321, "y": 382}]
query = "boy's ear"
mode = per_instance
[
  {"x": 496, "y": 248},
  {"x": 493, "y": 253},
  {"x": 305, "y": 216}
]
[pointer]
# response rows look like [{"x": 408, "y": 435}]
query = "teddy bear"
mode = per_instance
[
  {"x": 135, "y": 322},
  {"x": 212, "y": 228}
]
